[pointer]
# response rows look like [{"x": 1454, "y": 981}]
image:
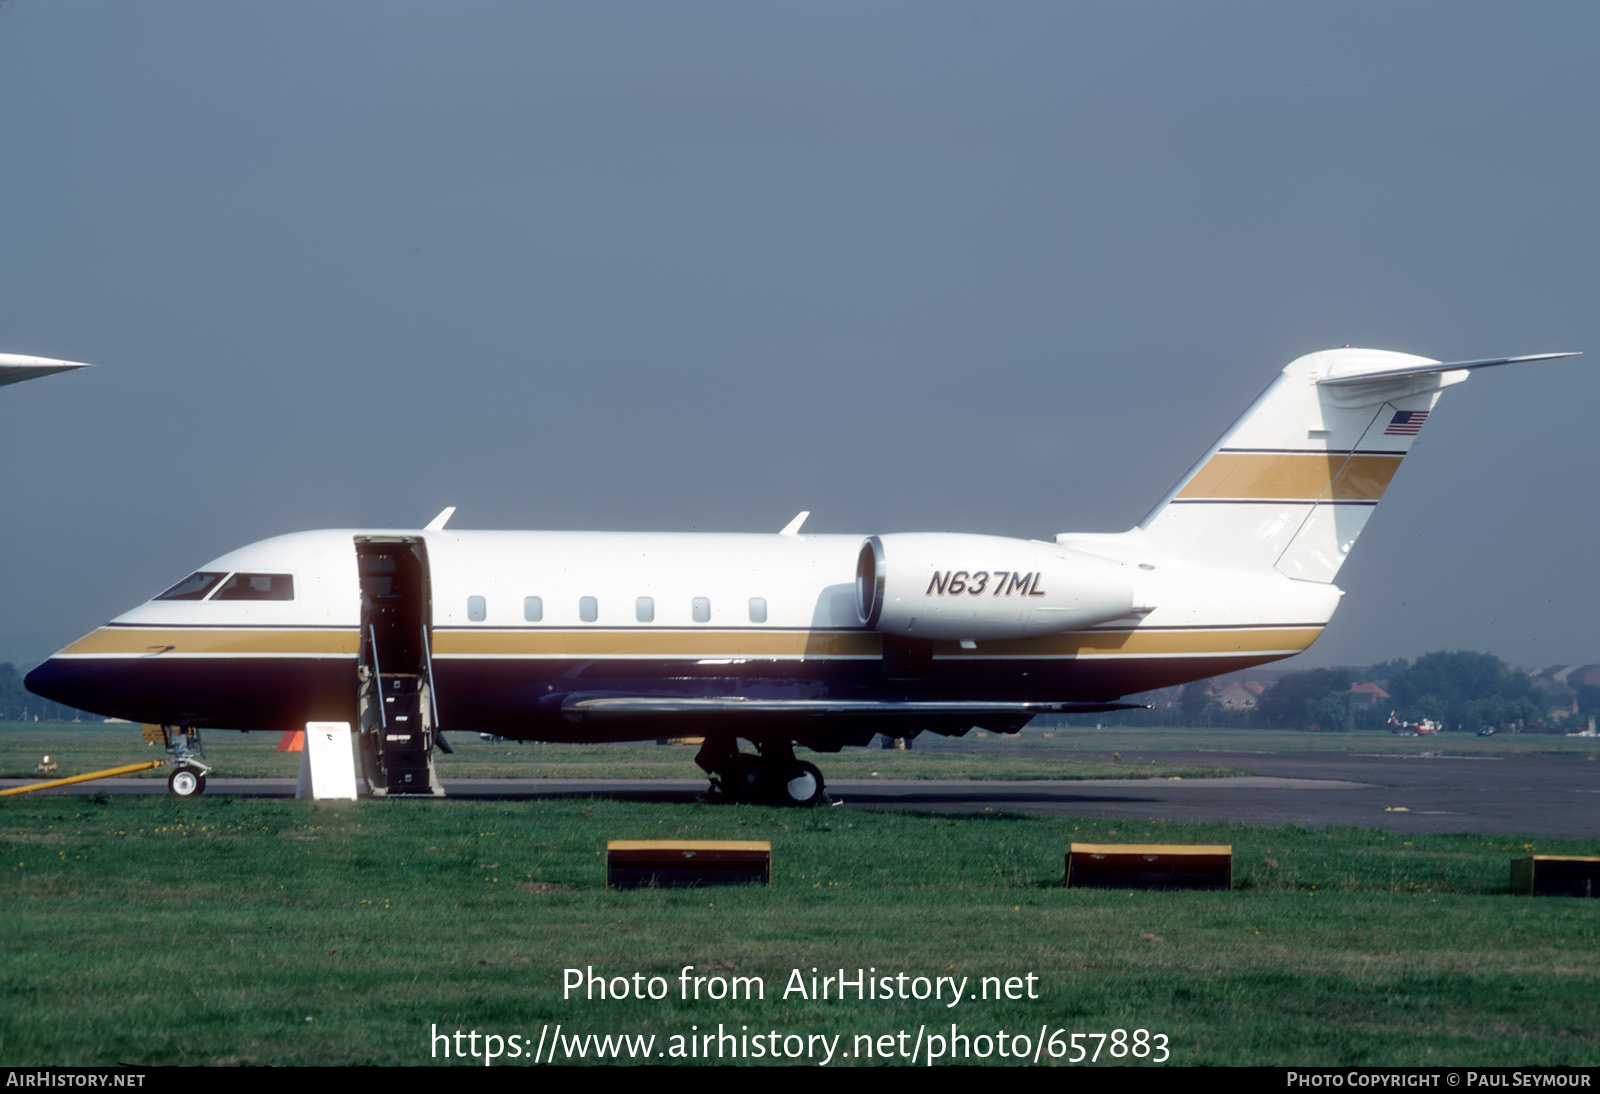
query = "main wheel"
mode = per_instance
[
  {"x": 741, "y": 779},
  {"x": 186, "y": 782},
  {"x": 801, "y": 785},
  {"x": 738, "y": 779}
]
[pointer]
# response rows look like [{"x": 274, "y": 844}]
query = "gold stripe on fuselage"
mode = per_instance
[
  {"x": 548, "y": 644},
  {"x": 825, "y": 644},
  {"x": 1292, "y": 476},
  {"x": 1142, "y": 642},
  {"x": 145, "y": 641},
  {"x": 832, "y": 644}
]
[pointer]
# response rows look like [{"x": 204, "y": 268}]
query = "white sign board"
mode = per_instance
[{"x": 328, "y": 765}]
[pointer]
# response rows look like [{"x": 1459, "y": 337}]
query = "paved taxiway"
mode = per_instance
[{"x": 1550, "y": 796}]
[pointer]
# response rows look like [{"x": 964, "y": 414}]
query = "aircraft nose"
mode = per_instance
[
  {"x": 91, "y": 684},
  {"x": 59, "y": 681}
]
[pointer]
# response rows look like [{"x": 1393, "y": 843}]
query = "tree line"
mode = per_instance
[{"x": 1460, "y": 690}]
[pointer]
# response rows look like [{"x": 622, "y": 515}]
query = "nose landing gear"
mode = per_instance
[{"x": 185, "y": 756}]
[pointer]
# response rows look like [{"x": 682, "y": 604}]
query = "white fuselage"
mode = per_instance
[{"x": 520, "y": 621}]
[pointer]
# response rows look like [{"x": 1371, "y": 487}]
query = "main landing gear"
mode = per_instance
[
  {"x": 774, "y": 777},
  {"x": 185, "y": 755}
]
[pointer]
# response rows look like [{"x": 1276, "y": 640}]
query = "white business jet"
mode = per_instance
[{"x": 782, "y": 639}]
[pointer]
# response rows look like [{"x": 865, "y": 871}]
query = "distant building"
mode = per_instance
[
  {"x": 1584, "y": 676},
  {"x": 1560, "y": 684},
  {"x": 1239, "y": 695},
  {"x": 1369, "y": 694}
]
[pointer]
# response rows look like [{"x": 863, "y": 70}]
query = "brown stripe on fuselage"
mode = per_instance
[
  {"x": 310, "y": 641},
  {"x": 1143, "y": 643},
  {"x": 698, "y": 644},
  {"x": 822, "y": 644},
  {"x": 1293, "y": 476}
]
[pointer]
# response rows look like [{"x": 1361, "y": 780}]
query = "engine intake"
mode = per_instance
[{"x": 970, "y": 587}]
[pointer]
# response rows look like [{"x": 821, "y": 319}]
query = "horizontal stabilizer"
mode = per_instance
[
  {"x": 1424, "y": 370},
  {"x": 579, "y": 706}
]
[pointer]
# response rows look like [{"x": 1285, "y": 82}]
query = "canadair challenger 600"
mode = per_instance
[{"x": 780, "y": 639}]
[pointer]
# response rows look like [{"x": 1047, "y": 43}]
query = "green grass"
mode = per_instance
[
  {"x": 222, "y": 929},
  {"x": 1039, "y": 752},
  {"x": 78, "y": 748}
]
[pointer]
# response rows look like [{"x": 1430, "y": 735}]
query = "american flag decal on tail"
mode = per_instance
[{"x": 1406, "y": 423}]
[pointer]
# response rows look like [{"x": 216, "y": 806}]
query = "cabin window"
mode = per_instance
[
  {"x": 702, "y": 609},
  {"x": 193, "y": 587},
  {"x": 588, "y": 609},
  {"x": 758, "y": 609},
  {"x": 533, "y": 608},
  {"x": 477, "y": 609},
  {"x": 257, "y": 587},
  {"x": 645, "y": 609}
]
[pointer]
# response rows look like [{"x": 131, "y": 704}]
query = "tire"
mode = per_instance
[
  {"x": 186, "y": 782},
  {"x": 741, "y": 779},
  {"x": 802, "y": 785}
]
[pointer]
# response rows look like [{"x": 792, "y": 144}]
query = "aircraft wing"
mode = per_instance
[
  {"x": 15, "y": 368},
  {"x": 581, "y": 706}
]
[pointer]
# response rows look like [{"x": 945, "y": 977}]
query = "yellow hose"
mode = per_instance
[{"x": 106, "y": 774}]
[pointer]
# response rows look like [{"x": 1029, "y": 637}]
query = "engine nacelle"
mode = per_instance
[{"x": 971, "y": 587}]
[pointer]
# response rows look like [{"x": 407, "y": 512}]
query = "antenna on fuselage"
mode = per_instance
[{"x": 437, "y": 523}]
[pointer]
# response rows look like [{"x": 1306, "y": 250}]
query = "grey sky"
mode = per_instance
[{"x": 980, "y": 267}]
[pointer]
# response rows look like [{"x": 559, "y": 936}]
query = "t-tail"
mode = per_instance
[{"x": 1291, "y": 484}]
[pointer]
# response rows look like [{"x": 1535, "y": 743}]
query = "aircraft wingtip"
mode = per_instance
[{"x": 16, "y": 367}]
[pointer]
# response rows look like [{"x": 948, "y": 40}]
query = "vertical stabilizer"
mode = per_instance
[{"x": 1291, "y": 484}]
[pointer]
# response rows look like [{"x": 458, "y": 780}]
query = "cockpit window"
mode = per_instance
[
  {"x": 193, "y": 587},
  {"x": 257, "y": 587}
]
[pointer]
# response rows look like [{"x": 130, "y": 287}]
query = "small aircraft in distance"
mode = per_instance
[
  {"x": 15, "y": 368},
  {"x": 1417, "y": 729},
  {"x": 778, "y": 639}
]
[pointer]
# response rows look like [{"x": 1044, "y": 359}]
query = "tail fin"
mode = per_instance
[{"x": 1291, "y": 484}]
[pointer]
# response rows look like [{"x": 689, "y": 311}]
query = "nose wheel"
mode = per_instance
[
  {"x": 186, "y": 782},
  {"x": 184, "y": 754}
]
